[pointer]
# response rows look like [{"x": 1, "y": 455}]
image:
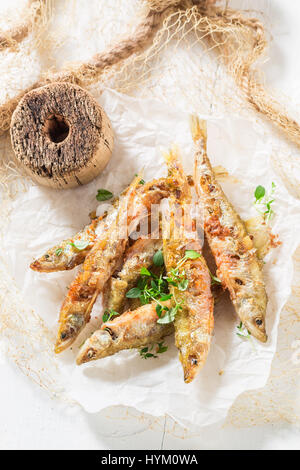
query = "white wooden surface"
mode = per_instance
[{"x": 30, "y": 420}]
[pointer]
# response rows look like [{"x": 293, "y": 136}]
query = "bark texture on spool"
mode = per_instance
[{"x": 61, "y": 135}]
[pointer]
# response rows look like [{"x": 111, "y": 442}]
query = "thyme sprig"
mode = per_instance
[{"x": 146, "y": 353}]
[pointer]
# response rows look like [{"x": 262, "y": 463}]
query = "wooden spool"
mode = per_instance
[{"x": 61, "y": 135}]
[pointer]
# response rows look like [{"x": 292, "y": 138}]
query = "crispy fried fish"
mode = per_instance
[
  {"x": 65, "y": 255},
  {"x": 237, "y": 263},
  {"x": 133, "y": 329},
  {"x": 103, "y": 259},
  {"x": 68, "y": 253},
  {"x": 194, "y": 320}
]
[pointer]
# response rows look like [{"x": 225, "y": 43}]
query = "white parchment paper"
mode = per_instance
[{"x": 42, "y": 217}]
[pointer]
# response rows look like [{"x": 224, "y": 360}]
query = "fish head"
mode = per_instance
[
  {"x": 253, "y": 317},
  {"x": 256, "y": 326},
  {"x": 95, "y": 347},
  {"x": 193, "y": 362},
  {"x": 69, "y": 331}
]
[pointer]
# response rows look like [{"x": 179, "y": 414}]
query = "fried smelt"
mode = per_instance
[
  {"x": 104, "y": 258},
  {"x": 65, "y": 255},
  {"x": 237, "y": 263},
  {"x": 139, "y": 255},
  {"x": 133, "y": 329},
  {"x": 194, "y": 319}
]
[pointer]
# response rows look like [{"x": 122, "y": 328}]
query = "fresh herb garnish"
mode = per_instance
[
  {"x": 263, "y": 201},
  {"x": 141, "y": 181},
  {"x": 104, "y": 195},
  {"x": 134, "y": 293},
  {"x": 215, "y": 279},
  {"x": 243, "y": 332},
  {"x": 160, "y": 348},
  {"x": 151, "y": 287},
  {"x": 108, "y": 315},
  {"x": 259, "y": 192},
  {"x": 170, "y": 314},
  {"x": 80, "y": 244},
  {"x": 145, "y": 272},
  {"x": 58, "y": 252},
  {"x": 158, "y": 258}
]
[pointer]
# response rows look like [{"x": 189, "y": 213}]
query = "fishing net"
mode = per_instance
[{"x": 205, "y": 56}]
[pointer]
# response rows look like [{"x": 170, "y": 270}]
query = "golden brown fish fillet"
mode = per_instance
[
  {"x": 194, "y": 322},
  {"x": 237, "y": 263},
  {"x": 133, "y": 329}
]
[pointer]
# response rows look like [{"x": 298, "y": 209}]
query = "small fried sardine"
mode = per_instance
[
  {"x": 68, "y": 253},
  {"x": 65, "y": 255},
  {"x": 104, "y": 258},
  {"x": 237, "y": 263},
  {"x": 194, "y": 319},
  {"x": 133, "y": 329}
]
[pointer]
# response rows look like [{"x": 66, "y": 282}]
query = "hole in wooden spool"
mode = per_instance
[{"x": 56, "y": 128}]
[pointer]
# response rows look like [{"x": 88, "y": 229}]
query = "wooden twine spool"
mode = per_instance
[{"x": 61, "y": 135}]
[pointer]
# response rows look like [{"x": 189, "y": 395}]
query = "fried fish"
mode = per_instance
[
  {"x": 133, "y": 329},
  {"x": 237, "y": 263},
  {"x": 194, "y": 319}
]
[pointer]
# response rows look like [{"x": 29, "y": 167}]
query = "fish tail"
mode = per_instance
[
  {"x": 199, "y": 130},
  {"x": 172, "y": 156},
  {"x": 174, "y": 164}
]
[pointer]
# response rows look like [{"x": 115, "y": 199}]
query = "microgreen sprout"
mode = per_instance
[
  {"x": 108, "y": 315},
  {"x": 243, "y": 332},
  {"x": 80, "y": 245}
]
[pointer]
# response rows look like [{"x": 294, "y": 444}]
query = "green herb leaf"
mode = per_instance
[
  {"x": 192, "y": 254},
  {"x": 165, "y": 297},
  {"x": 134, "y": 293},
  {"x": 145, "y": 354},
  {"x": 259, "y": 192},
  {"x": 158, "y": 258},
  {"x": 243, "y": 332},
  {"x": 161, "y": 348},
  {"x": 170, "y": 315},
  {"x": 158, "y": 309},
  {"x": 145, "y": 272},
  {"x": 141, "y": 181},
  {"x": 215, "y": 279},
  {"x": 104, "y": 195},
  {"x": 80, "y": 244},
  {"x": 167, "y": 318},
  {"x": 58, "y": 252},
  {"x": 183, "y": 285},
  {"x": 107, "y": 315},
  {"x": 263, "y": 201}
]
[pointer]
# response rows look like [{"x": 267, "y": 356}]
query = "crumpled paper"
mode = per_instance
[{"x": 41, "y": 217}]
